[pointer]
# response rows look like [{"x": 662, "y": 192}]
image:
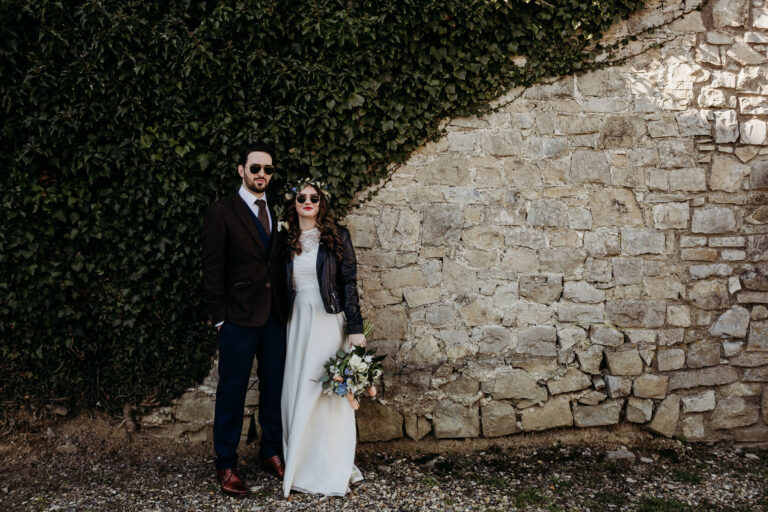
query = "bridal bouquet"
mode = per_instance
[{"x": 353, "y": 373}]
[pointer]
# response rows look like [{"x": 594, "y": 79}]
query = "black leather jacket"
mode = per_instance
[{"x": 337, "y": 279}]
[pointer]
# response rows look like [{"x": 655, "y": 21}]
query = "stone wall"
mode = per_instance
[{"x": 593, "y": 252}]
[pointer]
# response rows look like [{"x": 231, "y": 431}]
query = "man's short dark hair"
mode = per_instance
[{"x": 253, "y": 147}]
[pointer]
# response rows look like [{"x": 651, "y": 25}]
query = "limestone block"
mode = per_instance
[
  {"x": 627, "y": 270},
  {"x": 589, "y": 166},
  {"x": 713, "y": 220},
  {"x": 568, "y": 336},
  {"x": 637, "y": 313},
  {"x": 756, "y": 277},
  {"x": 423, "y": 350},
  {"x": 452, "y": 420},
  {"x": 546, "y": 212},
  {"x": 703, "y": 353},
  {"x": 495, "y": 339},
  {"x": 480, "y": 312},
  {"x": 391, "y": 323},
  {"x": 498, "y": 419},
  {"x": 544, "y": 288},
  {"x": 441, "y": 315},
  {"x": 701, "y": 402},
  {"x": 754, "y": 131},
  {"x": 416, "y": 427},
  {"x": 693, "y": 427},
  {"x": 458, "y": 277},
  {"x": 642, "y": 241},
  {"x": 362, "y": 230},
  {"x": 538, "y": 340},
  {"x": 597, "y": 415},
  {"x": 442, "y": 224},
  {"x": 573, "y": 380},
  {"x": 678, "y": 315},
  {"x": 733, "y": 412},
  {"x": 740, "y": 389},
  {"x": 757, "y": 246},
  {"x": 399, "y": 230},
  {"x": 526, "y": 177},
  {"x": 600, "y": 244},
  {"x": 402, "y": 277},
  {"x": 483, "y": 237},
  {"x": 519, "y": 260},
  {"x": 516, "y": 384},
  {"x": 525, "y": 237},
  {"x": 561, "y": 261},
  {"x": 506, "y": 143},
  {"x": 676, "y": 153},
  {"x": 546, "y": 147},
  {"x": 692, "y": 123},
  {"x": 731, "y": 324},
  {"x": 622, "y": 132},
  {"x": 555, "y": 413},
  {"x": 671, "y": 215},
  {"x": 378, "y": 422},
  {"x": 759, "y": 175},
  {"x": 752, "y": 79},
  {"x": 590, "y": 359},
  {"x": 567, "y": 312},
  {"x": 597, "y": 271},
  {"x": 687, "y": 180},
  {"x": 764, "y": 405},
  {"x": 758, "y": 336},
  {"x": 726, "y": 126},
  {"x": 618, "y": 387},
  {"x": 624, "y": 362},
  {"x": 759, "y": 374},
  {"x": 667, "y": 287},
  {"x": 706, "y": 377},
  {"x": 705, "y": 271},
  {"x": 730, "y": 13},
  {"x": 709, "y": 54},
  {"x": 749, "y": 359},
  {"x": 615, "y": 207},
  {"x": 592, "y": 397},
  {"x": 639, "y": 410},
  {"x": 711, "y": 294},
  {"x": 581, "y": 291},
  {"x": 670, "y": 359},
  {"x": 745, "y": 54},
  {"x": 579, "y": 218},
  {"x": 650, "y": 386},
  {"x": 606, "y": 336},
  {"x": 667, "y": 414},
  {"x": 194, "y": 407}
]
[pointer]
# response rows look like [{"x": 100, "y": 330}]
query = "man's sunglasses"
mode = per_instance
[
  {"x": 256, "y": 169},
  {"x": 301, "y": 198}
]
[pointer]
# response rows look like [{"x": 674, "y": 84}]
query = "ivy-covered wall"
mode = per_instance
[
  {"x": 122, "y": 120},
  {"x": 592, "y": 253}
]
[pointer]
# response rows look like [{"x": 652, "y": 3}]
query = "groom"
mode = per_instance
[{"x": 243, "y": 281}]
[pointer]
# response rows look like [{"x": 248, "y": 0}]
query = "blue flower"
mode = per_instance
[
  {"x": 342, "y": 389},
  {"x": 347, "y": 371}
]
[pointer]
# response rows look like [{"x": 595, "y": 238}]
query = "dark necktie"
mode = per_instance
[{"x": 263, "y": 217}]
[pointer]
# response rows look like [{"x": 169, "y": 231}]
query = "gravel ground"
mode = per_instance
[{"x": 94, "y": 467}]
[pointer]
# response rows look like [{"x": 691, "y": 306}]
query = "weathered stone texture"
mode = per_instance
[
  {"x": 556, "y": 412},
  {"x": 452, "y": 420},
  {"x": 667, "y": 414},
  {"x": 597, "y": 415}
]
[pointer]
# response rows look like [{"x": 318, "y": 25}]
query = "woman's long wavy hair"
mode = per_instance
[{"x": 329, "y": 233}]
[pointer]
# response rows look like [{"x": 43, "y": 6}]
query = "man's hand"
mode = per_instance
[{"x": 357, "y": 340}]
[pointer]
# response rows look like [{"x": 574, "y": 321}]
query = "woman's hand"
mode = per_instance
[{"x": 357, "y": 340}]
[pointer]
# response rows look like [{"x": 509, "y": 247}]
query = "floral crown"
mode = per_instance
[{"x": 309, "y": 181}]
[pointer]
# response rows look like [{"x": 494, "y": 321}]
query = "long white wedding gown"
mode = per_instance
[{"x": 319, "y": 433}]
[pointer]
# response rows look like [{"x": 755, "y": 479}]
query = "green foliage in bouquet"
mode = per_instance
[
  {"x": 352, "y": 372},
  {"x": 122, "y": 120}
]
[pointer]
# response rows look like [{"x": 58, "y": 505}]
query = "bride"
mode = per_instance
[{"x": 319, "y": 432}]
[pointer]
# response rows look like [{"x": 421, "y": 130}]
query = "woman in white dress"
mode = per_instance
[{"x": 319, "y": 433}]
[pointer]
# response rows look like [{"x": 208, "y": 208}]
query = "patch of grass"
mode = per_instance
[
  {"x": 429, "y": 481},
  {"x": 687, "y": 476},
  {"x": 654, "y": 504},
  {"x": 491, "y": 481},
  {"x": 527, "y": 496},
  {"x": 560, "y": 485}
]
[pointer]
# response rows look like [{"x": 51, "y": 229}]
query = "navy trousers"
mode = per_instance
[{"x": 237, "y": 348}]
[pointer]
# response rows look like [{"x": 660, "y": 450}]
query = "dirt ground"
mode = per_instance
[{"x": 89, "y": 464}]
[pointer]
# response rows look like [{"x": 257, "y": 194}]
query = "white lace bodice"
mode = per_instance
[{"x": 305, "y": 264}]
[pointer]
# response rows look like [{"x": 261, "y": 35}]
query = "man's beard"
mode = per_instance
[{"x": 254, "y": 187}]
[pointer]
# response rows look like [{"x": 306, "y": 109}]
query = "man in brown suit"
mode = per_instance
[{"x": 243, "y": 280}]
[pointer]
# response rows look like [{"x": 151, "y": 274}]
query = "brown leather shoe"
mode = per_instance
[
  {"x": 274, "y": 466},
  {"x": 231, "y": 483}
]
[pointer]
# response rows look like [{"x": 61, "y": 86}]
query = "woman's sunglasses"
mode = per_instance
[
  {"x": 256, "y": 169},
  {"x": 301, "y": 198}
]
